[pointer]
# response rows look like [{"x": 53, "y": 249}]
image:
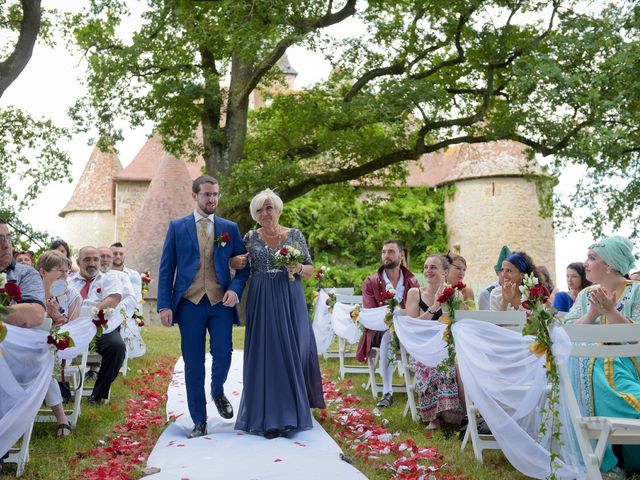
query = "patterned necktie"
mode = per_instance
[
  {"x": 85, "y": 289},
  {"x": 204, "y": 227}
]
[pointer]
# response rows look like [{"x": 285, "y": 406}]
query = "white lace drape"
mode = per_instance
[{"x": 26, "y": 365}]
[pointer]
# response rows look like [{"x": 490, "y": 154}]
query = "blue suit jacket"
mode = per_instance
[{"x": 181, "y": 258}]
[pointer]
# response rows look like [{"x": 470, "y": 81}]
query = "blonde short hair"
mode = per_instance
[
  {"x": 52, "y": 259},
  {"x": 258, "y": 201}
]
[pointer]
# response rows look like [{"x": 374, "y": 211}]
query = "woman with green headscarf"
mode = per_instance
[{"x": 609, "y": 386}]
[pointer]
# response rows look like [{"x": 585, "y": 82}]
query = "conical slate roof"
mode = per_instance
[
  {"x": 94, "y": 191},
  {"x": 145, "y": 163},
  {"x": 168, "y": 197}
]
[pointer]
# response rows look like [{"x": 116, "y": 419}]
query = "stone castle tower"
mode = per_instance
[
  {"x": 493, "y": 205},
  {"x": 88, "y": 214}
]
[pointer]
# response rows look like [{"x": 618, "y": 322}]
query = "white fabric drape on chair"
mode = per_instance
[
  {"x": 508, "y": 385},
  {"x": 26, "y": 365},
  {"x": 422, "y": 339},
  {"x": 342, "y": 324},
  {"x": 82, "y": 330},
  {"x": 373, "y": 318},
  {"x": 322, "y": 329}
]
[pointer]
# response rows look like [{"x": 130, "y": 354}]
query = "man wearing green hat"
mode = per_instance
[{"x": 483, "y": 300}]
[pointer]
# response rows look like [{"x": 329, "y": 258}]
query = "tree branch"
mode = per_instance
[
  {"x": 29, "y": 29},
  {"x": 301, "y": 28}
]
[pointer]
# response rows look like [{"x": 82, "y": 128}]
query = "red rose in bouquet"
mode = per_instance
[
  {"x": 284, "y": 251},
  {"x": 387, "y": 295},
  {"x": 526, "y": 305},
  {"x": 459, "y": 285},
  {"x": 10, "y": 293},
  {"x": 100, "y": 320},
  {"x": 60, "y": 340},
  {"x": 446, "y": 294},
  {"x": 539, "y": 292}
]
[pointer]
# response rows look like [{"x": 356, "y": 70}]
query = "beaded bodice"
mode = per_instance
[{"x": 261, "y": 255}]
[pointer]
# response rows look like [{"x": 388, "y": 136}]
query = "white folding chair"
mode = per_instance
[
  {"x": 125, "y": 363},
  {"x": 600, "y": 341},
  {"x": 342, "y": 343},
  {"x": 20, "y": 454},
  {"x": 336, "y": 353},
  {"x": 409, "y": 385},
  {"x": 74, "y": 373},
  {"x": 513, "y": 320}
]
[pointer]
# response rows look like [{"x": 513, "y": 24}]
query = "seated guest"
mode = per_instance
[
  {"x": 63, "y": 247},
  {"x": 614, "y": 382},
  {"x": 29, "y": 311},
  {"x": 514, "y": 267},
  {"x": 119, "y": 255},
  {"x": 483, "y": 299},
  {"x": 545, "y": 279},
  {"x": 576, "y": 282},
  {"x": 102, "y": 291},
  {"x": 25, "y": 258},
  {"x": 437, "y": 391},
  {"x": 394, "y": 273},
  {"x": 53, "y": 266},
  {"x": 457, "y": 270}
]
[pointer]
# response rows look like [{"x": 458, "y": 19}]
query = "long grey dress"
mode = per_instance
[{"x": 281, "y": 376}]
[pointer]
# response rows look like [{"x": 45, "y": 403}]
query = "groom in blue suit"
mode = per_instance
[{"x": 196, "y": 291}]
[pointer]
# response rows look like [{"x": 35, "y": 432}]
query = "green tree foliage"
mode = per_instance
[
  {"x": 347, "y": 225},
  {"x": 410, "y": 77},
  {"x": 29, "y": 151}
]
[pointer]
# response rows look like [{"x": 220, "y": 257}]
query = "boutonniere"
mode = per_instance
[{"x": 223, "y": 239}]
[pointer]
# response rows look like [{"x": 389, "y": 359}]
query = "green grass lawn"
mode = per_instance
[{"x": 50, "y": 457}]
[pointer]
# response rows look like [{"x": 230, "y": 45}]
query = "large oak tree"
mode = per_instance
[
  {"x": 29, "y": 151},
  {"x": 410, "y": 77}
]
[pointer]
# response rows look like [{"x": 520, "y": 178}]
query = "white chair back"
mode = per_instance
[
  {"x": 599, "y": 341},
  {"x": 511, "y": 319},
  {"x": 348, "y": 299}
]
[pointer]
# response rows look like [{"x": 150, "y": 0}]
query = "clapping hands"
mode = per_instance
[{"x": 601, "y": 301}]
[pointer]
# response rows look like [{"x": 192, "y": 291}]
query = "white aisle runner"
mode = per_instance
[{"x": 225, "y": 453}]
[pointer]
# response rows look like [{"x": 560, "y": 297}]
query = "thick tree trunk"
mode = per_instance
[
  {"x": 213, "y": 138},
  {"x": 237, "y": 112},
  {"x": 29, "y": 29}
]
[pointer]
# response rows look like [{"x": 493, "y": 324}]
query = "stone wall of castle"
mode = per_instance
[
  {"x": 129, "y": 198},
  {"x": 485, "y": 214}
]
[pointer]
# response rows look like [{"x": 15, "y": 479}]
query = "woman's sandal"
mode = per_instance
[{"x": 64, "y": 430}]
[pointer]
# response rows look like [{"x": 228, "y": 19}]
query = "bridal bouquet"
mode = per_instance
[{"x": 288, "y": 256}]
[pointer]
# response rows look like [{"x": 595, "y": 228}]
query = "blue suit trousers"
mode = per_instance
[{"x": 194, "y": 322}]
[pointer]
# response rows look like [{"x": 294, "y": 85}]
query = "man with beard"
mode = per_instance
[
  {"x": 29, "y": 311},
  {"x": 119, "y": 254},
  {"x": 102, "y": 291},
  {"x": 130, "y": 298},
  {"x": 392, "y": 273},
  {"x": 196, "y": 291}
]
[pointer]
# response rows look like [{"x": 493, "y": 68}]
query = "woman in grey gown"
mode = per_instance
[{"x": 281, "y": 374}]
